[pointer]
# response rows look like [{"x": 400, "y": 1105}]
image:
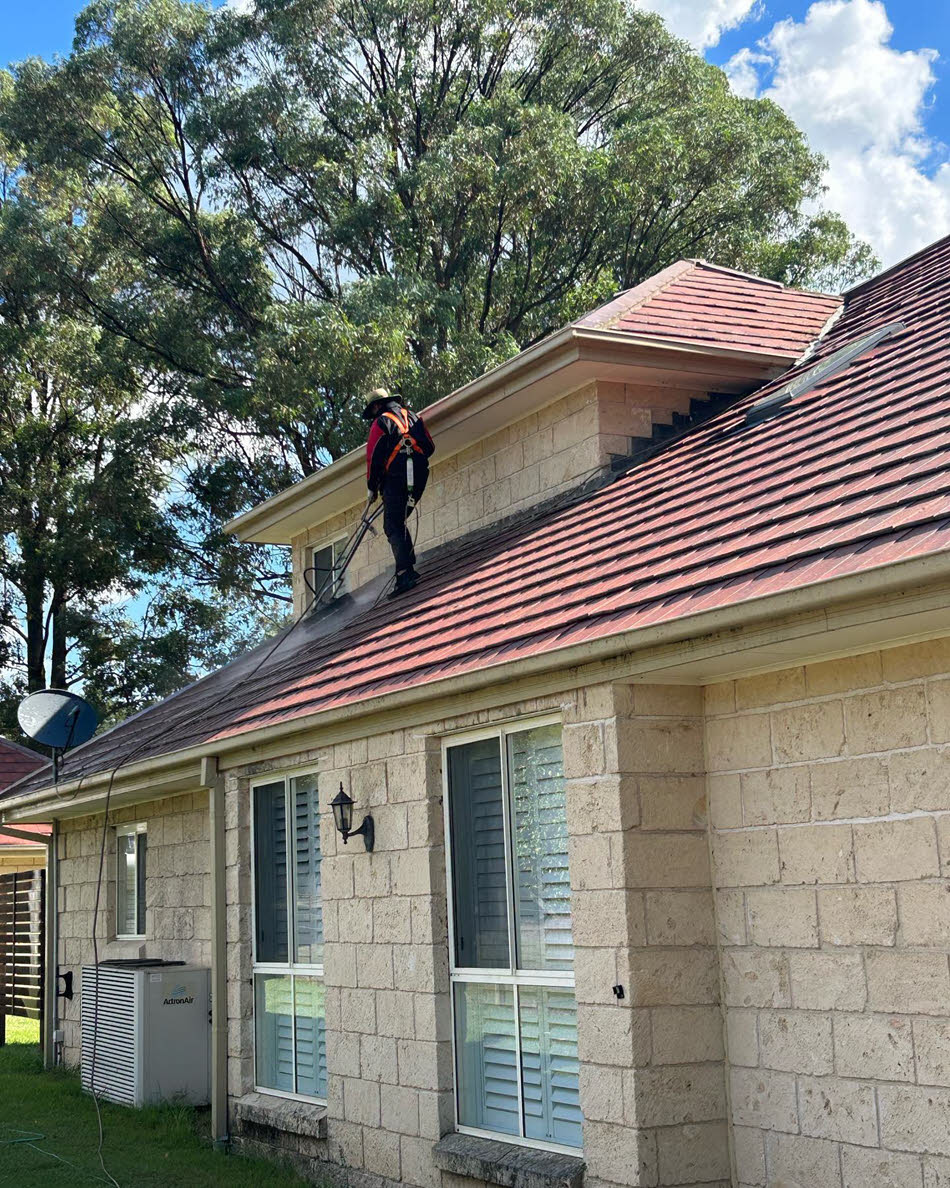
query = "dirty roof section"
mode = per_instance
[
  {"x": 853, "y": 474},
  {"x": 16, "y": 762},
  {"x": 696, "y": 302}
]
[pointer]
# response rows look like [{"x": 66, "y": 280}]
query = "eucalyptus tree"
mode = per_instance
[
  {"x": 98, "y": 588},
  {"x": 324, "y": 193}
]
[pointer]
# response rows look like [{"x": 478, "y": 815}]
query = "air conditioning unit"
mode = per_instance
[{"x": 151, "y": 1023}]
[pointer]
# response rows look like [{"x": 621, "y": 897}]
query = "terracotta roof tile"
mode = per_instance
[
  {"x": 695, "y": 302},
  {"x": 39, "y": 830},
  {"x": 854, "y": 475}
]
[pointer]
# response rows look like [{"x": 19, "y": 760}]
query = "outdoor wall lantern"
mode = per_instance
[{"x": 342, "y": 806}]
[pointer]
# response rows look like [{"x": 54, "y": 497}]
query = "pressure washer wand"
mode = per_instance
[{"x": 334, "y": 578}]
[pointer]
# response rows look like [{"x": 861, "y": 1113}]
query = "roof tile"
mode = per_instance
[{"x": 854, "y": 474}]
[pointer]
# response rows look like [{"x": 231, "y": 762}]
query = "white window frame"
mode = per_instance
[
  {"x": 338, "y": 545},
  {"x": 132, "y": 830},
  {"x": 512, "y": 977},
  {"x": 289, "y": 968}
]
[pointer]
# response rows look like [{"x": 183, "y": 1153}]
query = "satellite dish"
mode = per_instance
[{"x": 57, "y": 718}]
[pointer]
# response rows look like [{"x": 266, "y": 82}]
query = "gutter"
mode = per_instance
[{"x": 816, "y": 596}]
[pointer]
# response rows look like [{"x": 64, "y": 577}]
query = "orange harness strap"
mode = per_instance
[{"x": 402, "y": 424}]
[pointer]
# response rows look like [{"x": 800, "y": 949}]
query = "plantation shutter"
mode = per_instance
[
  {"x": 478, "y": 848},
  {"x": 308, "y": 910},
  {"x": 549, "y": 1065},
  {"x": 311, "y": 1054},
  {"x": 542, "y": 878},
  {"x": 487, "y": 1053},
  {"x": 270, "y": 872},
  {"x": 274, "y": 1031}
]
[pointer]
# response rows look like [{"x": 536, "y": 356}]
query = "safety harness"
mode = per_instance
[{"x": 407, "y": 445}]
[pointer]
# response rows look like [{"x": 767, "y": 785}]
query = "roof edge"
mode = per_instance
[
  {"x": 605, "y": 316},
  {"x": 872, "y": 280}
]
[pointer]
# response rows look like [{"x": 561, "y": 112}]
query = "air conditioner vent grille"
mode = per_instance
[{"x": 115, "y": 1046}]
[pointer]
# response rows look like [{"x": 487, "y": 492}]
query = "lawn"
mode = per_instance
[{"x": 48, "y": 1134}]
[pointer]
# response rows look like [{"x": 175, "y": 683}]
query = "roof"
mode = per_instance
[
  {"x": 16, "y": 762},
  {"x": 697, "y": 302},
  {"x": 41, "y": 831},
  {"x": 730, "y": 331},
  {"x": 854, "y": 475}
]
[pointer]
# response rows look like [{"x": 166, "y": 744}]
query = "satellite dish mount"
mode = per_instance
[{"x": 59, "y": 720}]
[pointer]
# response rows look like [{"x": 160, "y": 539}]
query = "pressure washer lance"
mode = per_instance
[{"x": 334, "y": 578}]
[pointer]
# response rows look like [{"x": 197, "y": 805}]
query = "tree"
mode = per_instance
[
  {"x": 324, "y": 195},
  {"x": 91, "y": 436}
]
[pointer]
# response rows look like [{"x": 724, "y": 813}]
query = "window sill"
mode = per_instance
[
  {"x": 507, "y": 1164},
  {"x": 284, "y": 1115}
]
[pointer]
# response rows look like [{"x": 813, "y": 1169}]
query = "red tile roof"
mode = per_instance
[
  {"x": 696, "y": 302},
  {"x": 16, "y": 762},
  {"x": 39, "y": 830},
  {"x": 856, "y": 474}
]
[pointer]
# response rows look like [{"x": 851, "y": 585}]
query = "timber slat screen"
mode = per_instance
[{"x": 22, "y": 925}]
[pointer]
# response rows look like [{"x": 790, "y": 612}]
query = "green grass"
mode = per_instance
[{"x": 48, "y": 1134}]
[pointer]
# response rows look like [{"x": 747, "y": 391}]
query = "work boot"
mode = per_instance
[{"x": 405, "y": 581}]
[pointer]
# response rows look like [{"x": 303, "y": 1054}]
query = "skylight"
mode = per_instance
[{"x": 770, "y": 406}]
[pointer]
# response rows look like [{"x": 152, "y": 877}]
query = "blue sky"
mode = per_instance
[{"x": 868, "y": 81}]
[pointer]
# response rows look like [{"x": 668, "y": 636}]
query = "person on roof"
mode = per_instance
[{"x": 398, "y": 450}]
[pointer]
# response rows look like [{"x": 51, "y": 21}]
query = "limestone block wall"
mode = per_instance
[
  {"x": 652, "y": 1074},
  {"x": 652, "y": 1080},
  {"x": 178, "y": 893},
  {"x": 508, "y": 471},
  {"x": 829, "y": 796}
]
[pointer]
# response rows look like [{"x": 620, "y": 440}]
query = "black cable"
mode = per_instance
[{"x": 356, "y": 536}]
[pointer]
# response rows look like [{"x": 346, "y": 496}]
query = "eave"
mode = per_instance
[{"x": 523, "y": 384}]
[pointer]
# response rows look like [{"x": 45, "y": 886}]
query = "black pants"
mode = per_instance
[{"x": 396, "y": 512}]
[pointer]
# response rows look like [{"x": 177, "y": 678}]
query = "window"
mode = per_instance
[
  {"x": 512, "y": 958},
  {"x": 289, "y": 1018},
  {"x": 130, "y": 851},
  {"x": 323, "y": 561}
]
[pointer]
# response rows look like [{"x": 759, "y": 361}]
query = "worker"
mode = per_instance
[{"x": 397, "y": 467}]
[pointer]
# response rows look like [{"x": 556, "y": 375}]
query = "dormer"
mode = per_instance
[{"x": 562, "y": 411}]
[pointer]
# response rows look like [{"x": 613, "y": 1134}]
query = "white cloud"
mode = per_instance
[
  {"x": 862, "y": 104},
  {"x": 702, "y": 22}
]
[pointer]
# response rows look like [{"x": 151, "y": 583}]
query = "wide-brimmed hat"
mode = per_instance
[{"x": 376, "y": 397}]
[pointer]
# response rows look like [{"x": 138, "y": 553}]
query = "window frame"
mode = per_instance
[
  {"x": 134, "y": 829},
  {"x": 338, "y": 546},
  {"x": 289, "y": 968},
  {"x": 513, "y": 977}
]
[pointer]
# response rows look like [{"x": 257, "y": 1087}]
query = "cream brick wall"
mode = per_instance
[
  {"x": 177, "y": 896},
  {"x": 652, "y": 1083},
  {"x": 652, "y": 1076},
  {"x": 13, "y": 861},
  {"x": 509, "y": 471},
  {"x": 829, "y": 799}
]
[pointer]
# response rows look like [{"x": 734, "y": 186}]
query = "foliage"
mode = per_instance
[
  {"x": 324, "y": 195},
  {"x": 91, "y": 434},
  {"x": 221, "y": 227}
]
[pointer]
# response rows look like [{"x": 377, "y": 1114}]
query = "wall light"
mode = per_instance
[{"x": 342, "y": 806}]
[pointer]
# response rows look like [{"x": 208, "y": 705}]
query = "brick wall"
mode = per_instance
[
  {"x": 12, "y": 860},
  {"x": 829, "y": 798},
  {"x": 652, "y": 1077},
  {"x": 178, "y": 893}
]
